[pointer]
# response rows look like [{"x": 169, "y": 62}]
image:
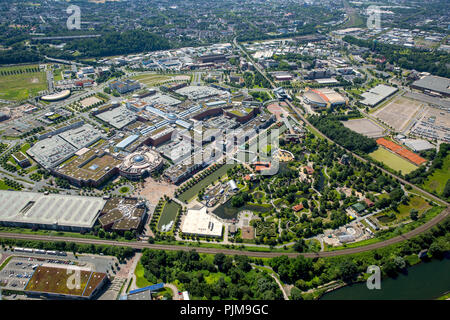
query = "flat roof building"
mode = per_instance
[
  {"x": 199, "y": 222},
  {"x": 123, "y": 214},
  {"x": 436, "y": 84},
  {"x": 375, "y": 95},
  {"x": 118, "y": 117},
  {"x": 51, "y": 281},
  {"x": 52, "y": 211}
]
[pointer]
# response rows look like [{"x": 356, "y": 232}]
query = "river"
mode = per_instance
[{"x": 425, "y": 281}]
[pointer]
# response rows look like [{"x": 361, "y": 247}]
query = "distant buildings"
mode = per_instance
[{"x": 124, "y": 86}]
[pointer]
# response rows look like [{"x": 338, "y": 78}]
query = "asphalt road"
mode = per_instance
[{"x": 141, "y": 245}]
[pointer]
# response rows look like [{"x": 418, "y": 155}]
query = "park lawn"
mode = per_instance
[
  {"x": 213, "y": 278},
  {"x": 393, "y": 161},
  {"x": 141, "y": 281},
  {"x": 20, "y": 86},
  {"x": 168, "y": 214},
  {"x": 25, "y": 147},
  {"x": 436, "y": 182},
  {"x": 416, "y": 202},
  {"x": 3, "y": 186},
  {"x": 124, "y": 189}
]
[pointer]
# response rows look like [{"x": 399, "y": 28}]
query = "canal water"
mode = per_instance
[{"x": 427, "y": 280}]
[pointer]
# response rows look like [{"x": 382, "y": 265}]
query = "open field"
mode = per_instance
[
  {"x": 141, "y": 281},
  {"x": 392, "y": 160},
  {"x": 436, "y": 182},
  {"x": 398, "y": 112},
  {"x": 153, "y": 79},
  {"x": 415, "y": 202},
  {"x": 21, "y": 85},
  {"x": 365, "y": 127}
]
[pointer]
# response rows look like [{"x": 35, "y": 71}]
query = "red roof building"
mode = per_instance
[{"x": 297, "y": 207}]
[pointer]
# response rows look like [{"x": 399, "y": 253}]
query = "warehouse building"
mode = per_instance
[
  {"x": 433, "y": 85},
  {"x": 52, "y": 211},
  {"x": 118, "y": 117},
  {"x": 378, "y": 94}
]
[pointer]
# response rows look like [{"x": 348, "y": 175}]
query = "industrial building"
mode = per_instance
[
  {"x": 118, "y": 117},
  {"x": 378, "y": 94},
  {"x": 199, "y": 223},
  {"x": 51, "y": 211},
  {"x": 54, "y": 150},
  {"x": 88, "y": 166},
  {"x": 433, "y": 85}
]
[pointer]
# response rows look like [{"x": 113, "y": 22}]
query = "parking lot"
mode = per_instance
[{"x": 16, "y": 273}]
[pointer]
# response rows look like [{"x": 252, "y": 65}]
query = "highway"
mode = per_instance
[{"x": 141, "y": 245}]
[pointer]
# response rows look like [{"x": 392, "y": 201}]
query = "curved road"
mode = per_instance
[
  {"x": 141, "y": 245},
  {"x": 439, "y": 200}
]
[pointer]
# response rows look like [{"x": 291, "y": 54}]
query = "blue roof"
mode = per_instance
[
  {"x": 127, "y": 141},
  {"x": 151, "y": 288}
]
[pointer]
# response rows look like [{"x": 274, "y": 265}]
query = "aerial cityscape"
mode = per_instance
[{"x": 224, "y": 150}]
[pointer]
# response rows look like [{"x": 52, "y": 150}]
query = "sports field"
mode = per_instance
[
  {"x": 392, "y": 160},
  {"x": 436, "y": 182},
  {"x": 19, "y": 83}
]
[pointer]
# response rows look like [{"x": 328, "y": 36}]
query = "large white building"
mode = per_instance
[
  {"x": 52, "y": 211},
  {"x": 198, "y": 222}
]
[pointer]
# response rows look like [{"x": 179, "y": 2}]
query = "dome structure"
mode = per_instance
[
  {"x": 138, "y": 158},
  {"x": 172, "y": 117}
]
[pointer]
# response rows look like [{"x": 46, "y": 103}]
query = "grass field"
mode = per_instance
[
  {"x": 152, "y": 79},
  {"x": 20, "y": 86},
  {"x": 168, "y": 214},
  {"x": 415, "y": 202},
  {"x": 141, "y": 281},
  {"x": 392, "y": 160},
  {"x": 3, "y": 186},
  {"x": 436, "y": 182}
]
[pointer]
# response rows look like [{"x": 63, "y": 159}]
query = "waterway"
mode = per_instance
[{"x": 425, "y": 281}]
